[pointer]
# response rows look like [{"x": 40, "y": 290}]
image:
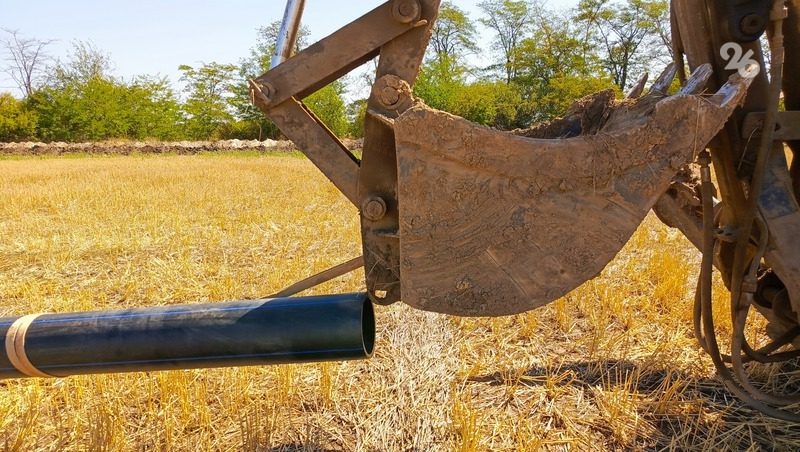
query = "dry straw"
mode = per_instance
[{"x": 611, "y": 366}]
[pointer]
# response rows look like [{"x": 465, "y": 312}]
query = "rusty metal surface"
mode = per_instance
[
  {"x": 788, "y": 126},
  {"x": 398, "y": 68},
  {"x": 782, "y": 215},
  {"x": 279, "y": 91},
  {"x": 733, "y": 149},
  {"x": 791, "y": 80},
  {"x": 680, "y": 207},
  {"x": 700, "y": 43},
  {"x": 398, "y": 31},
  {"x": 495, "y": 224},
  {"x": 333, "y": 56},
  {"x": 318, "y": 143}
]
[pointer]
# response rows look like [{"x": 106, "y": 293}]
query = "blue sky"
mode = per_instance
[{"x": 155, "y": 37}]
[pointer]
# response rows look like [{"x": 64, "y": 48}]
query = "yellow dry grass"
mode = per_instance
[{"x": 611, "y": 366}]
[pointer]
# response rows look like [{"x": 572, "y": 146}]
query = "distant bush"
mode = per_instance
[{"x": 17, "y": 122}]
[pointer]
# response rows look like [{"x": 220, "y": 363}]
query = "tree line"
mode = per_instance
[{"x": 539, "y": 61}]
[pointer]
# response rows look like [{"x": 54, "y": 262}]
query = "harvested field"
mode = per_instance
[{"x": 612, "y": 366}]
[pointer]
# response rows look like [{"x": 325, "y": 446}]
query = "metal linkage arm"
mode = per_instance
[
  {"x": 398, "y": 31},
  {"x": 336, "y": 55},
  {"x": 278, "y": 92}
]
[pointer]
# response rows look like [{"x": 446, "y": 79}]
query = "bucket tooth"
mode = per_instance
[{"x": 493, "y": 223}]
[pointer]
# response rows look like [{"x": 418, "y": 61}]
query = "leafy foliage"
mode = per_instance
[
  {"x": 207, "y": 107},
  {"x": 629, "y": 36},
  {"x": 541, "y": 61},
  {"x": 328, "y": 104},
  {"x": 510, "y": 20},
  {"x": 84, "y": 103},
  {"x": 454, "y": 33},
  {"x": 17, "y": 122}
]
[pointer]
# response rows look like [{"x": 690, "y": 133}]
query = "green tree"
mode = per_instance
[
  {"x": 84, "y": 63},
  {"x": 84, "y": 102},
  {"x": 630, "y": 35},
  {"x": 510, "y": 20},
  {"x": 153, "y": 109},
  {"x": 90, "y": 111},
  {"x": 356, "y": 111},
  {"x": 564, "y": 89},
  {"x": 557, "y": 67},
  {"x": 492, "y": 103},
  {"x": 439, "y": 82},
  {"x": 17, "y": 123},
  {"x": 453, "y": 35},
  {"x": 208, "y": 89},
  {"x": 443, "y": 85},
  {"x": 328, "y": 104}
]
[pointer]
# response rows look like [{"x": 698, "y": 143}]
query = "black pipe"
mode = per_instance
[{"x": 239, "y": 333}]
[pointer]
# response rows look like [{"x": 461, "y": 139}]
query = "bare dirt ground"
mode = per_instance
[{"x": 611, "y": 366}]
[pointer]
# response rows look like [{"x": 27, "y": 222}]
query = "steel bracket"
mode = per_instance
[{"x": 398, "y": 31}]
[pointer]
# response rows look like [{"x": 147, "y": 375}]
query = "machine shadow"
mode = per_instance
[
  {"x": 612, "y": 373},
  {"x": 296, "y": 447}
]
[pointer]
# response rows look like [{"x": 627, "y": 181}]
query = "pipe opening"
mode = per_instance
[{"x": 368, "y": 327}]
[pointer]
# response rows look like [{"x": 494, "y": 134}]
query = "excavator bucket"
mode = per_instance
[
  {"x": 462, "y": 219},
  {"x": 494, "y": 223}
]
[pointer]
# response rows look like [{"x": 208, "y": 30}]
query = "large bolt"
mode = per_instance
[
  {"x": 373, "y": 208},
  {"x": 263, "y": 91},
  {"x": 406, "y": 11},
  {"x": 752, "y": 24},
  {"x": 390, "y": 96},
  {"x": 393, "y": 93}
]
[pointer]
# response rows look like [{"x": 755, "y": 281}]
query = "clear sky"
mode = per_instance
[{"x": 155, "y": 37}]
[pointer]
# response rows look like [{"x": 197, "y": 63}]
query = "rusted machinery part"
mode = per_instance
[
  {"x": 700, "y": 40},
  {"x": 279, "y": 92},
  {"x": 321, "y": 277},
  {"x": 791, "y": 83},
  {"x": 398, "y": 32},
  {"x": 769, "y": 202},
  {"x": 398, "y": 67},
  {"x": 742, "y": 291},
  {"x": 495, "y": 224},
  {"x": 681, "y": 207},
  {"x": 709, "y": 338},
  {"x": 778, "y": 203}
]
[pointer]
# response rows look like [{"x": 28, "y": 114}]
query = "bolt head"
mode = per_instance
[
  {"x": 393, "y": 93},
  {"x": 752, "y": 24},
  {"x": 374, "y": 208},
  {"x": 390, "y": 96},
  {"x": 406, "y": 11}
]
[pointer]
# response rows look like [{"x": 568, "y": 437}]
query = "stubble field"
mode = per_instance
[{"x": 612, "y": 366}]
